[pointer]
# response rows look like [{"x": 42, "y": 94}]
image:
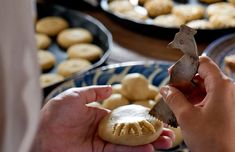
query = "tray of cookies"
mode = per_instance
[
  {"x": 69, "y": 43},
  {"x": 162, "y": 18},
  {"x": 222, "y": 51},
  {"x": 133, "y": 83}
]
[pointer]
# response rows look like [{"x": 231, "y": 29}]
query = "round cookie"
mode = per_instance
[
  {"x": 89, "y": 52},
  {"x": 210, "y": 1},
  {"x": 200, "y": 24},
  {"x": 169, "y": 20},
  {"x": 51, "y": 25},
  {"x": 130, "y": 125},
  {"x": 135, "y": 15},
  {"x": 222, "y": 8},
  {"x": 189, "y": 12},
  {"x": 158, "y": 7},
  {"x": 49, "y": 79},
  {"x": 71, "y": 66},
  {"x": 46, "y": 59},
  {"x": 115, "y": 101},
  {"x": 222, "y": 21},
  {"x": 43, "y": 41},
  {"x": 135, "y": 87},
  {"x": 120, "y": 6},
  {"x": 146, "y": 103},
  {"x": 72, "y": 36}
]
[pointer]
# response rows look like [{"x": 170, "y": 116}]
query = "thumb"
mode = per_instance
[{"x": 177, "y": 102}]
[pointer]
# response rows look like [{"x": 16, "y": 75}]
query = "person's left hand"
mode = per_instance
[{"x": 68, "y": 125}]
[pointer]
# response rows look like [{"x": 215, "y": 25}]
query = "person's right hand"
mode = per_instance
[{"x": 209, "y": 126}]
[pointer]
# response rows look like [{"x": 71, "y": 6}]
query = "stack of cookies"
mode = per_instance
[
  {"x": 215, "y": 14},
  {"x": 75, "y": 41}
]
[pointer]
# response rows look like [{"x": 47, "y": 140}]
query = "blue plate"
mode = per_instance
[
  {"x": 155, "y": 72},
  {"x": 220, "y": 48}
]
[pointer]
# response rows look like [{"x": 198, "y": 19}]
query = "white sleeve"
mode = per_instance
[{"x": 20, "y": 97}]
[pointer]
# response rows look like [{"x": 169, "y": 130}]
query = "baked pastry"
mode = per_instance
[
  {"x": 222, "y": 8},
  {"x": 158, "y": 7},
  {"x": 72, "y": 36},
  {"x": 116, "y": 88},
  {"x": 89, "y": 52},
  {"x": 153, "y": 91},
  {"x": 130, "y": 125},
  {"x": 71, "y": 66},
  {"x": 120, "y": 6},
  {"x": 232, "y": 2},
  {"x": 189, "y": 12},
  {"x": 51, "y": 25},
  {"x": 200, "y": 24},
  {"x": 135, "y": 87},
  {"x": 169, "y": 20},
  {"x": 114, "y": 101},
  {"x": 46, "y": 59},
  {"x": 229, "y": 62},
  {"x": 135, "y": 15},
  {"x": 222, "y": 21},
  {"x": 210, "y": 1},
  {"x": 43, "y": 41},
  {"x": 49, "y": 79},
  {"x": 142, "y": 2},
  {"x": 146, "y": 103}
]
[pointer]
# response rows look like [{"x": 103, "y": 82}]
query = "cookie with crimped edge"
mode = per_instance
[
  {"x": 51, "y": 25},
  {"x": 130, "y": 125}
]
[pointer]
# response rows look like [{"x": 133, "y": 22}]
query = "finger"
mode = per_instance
[
  {"x": 121, "y": 148},
  {"x": 169, "y": 133},
  {"x": 93, "y": 93},
  {"x": 163, "y": 142},
  {"x": 177, "y": 102},
  {"x": 210, "y": 72}
]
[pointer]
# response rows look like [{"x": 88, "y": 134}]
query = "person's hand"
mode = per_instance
[
  {"x": 68, "y": 125},
  {"x": 208, "y": 125}
]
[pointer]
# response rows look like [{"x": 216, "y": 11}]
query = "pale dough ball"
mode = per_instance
[
  {"x": 153, "y": 91},
  {"x": 135, "y": 87},
  {"x": 130, "y": 125},
  {"x": 158, "y": 7},
  {"x": 222, "y": 21},
  {"x": 114, "y": 101},
  {"x": 116, "y": 88}
]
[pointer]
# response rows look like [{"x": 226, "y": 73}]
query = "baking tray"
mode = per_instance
[
  {"x": 102, "y": 36},
  {"x": 147, "y": 28}
]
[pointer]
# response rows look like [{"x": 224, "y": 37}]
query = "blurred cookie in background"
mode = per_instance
[
  {"x": 169, "y": 20},
  {"x": 120, "y": 6},
  {"x": 49, "y": 79},
  {"x": 46, "y": 60},
  {"x": 51, "y": 25},
  {"x": 42, "y": 41},
  {"x": 71, "y": 36},
  {"x": 158, "y": 7}
]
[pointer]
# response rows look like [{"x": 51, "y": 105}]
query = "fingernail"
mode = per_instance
[{"x": 164, "y": 91}]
